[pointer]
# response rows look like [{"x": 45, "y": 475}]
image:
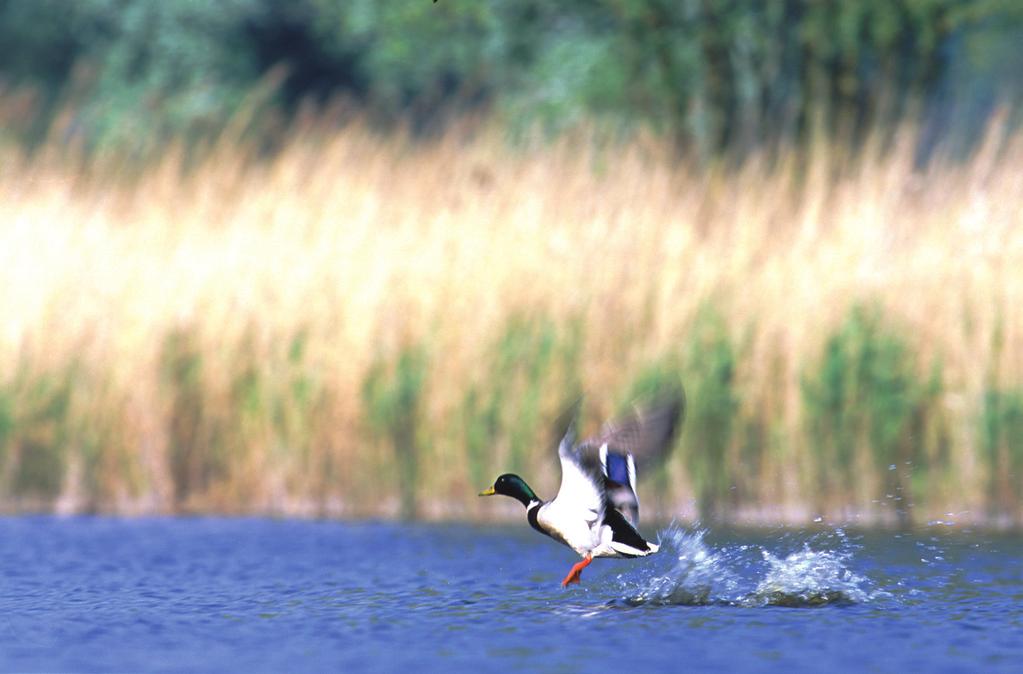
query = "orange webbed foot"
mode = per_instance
[{"x": 576, "y": 572}]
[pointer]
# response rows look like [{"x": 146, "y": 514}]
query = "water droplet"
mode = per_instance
[{"x": 891, "y": 467}]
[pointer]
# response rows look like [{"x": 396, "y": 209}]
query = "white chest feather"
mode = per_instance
[
  {"x": 577, "y": 527},
  {"x": 580, "y": 530}
]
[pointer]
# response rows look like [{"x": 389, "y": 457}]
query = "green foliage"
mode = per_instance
[
  {"x": 393, "y": 397},
  {"x": 45, "y": 434},
  {"x": 710, "y": 365},
  {"x": 865, "y": 395},
  {"x": 197, "y": 458},
  {"x": 1001, "y": 435},
  {"x": 659, "y": 380},
  {"x": 869, "y": 404},
  {"x": 259, "y": 398},
  {"x": 298, "y": 396},
  {"x": 714, "y": 74},
  {"x": 530, "y": 358},
  {"x": 7, "y": 401},
  {"x": 138, "y": 70},
  {"x": 36, "y": 430}
]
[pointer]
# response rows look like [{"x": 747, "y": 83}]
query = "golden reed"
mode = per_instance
[{"x": 201, "y": 339}]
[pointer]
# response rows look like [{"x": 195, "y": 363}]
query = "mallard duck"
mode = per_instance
[{"x": 596, "y": 510}]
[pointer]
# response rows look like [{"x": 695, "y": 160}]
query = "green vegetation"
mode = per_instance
[
  {"x": 710, "y": 367},
  {"x": 44, "y": 436},
  {"x": 712, "y": 74},
  {"x": 197, "y": 456},
  {"x": 661, "y": 378},
  {"x": 36, "y": 433},
  {"x": 533, "y": 368},
  {"x": 393, "y": 396},
  {"x": 867, "y": 410},
  {"x": 874, "y": 423},
  {"x": 279, "y": 391},
  {"x": 229, "y": 412},
  {"x": 1002, "y": 446},
  {"x": 370, "y": 301}
]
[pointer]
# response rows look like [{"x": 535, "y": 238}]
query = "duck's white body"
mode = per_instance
[{"x": 589, "y": 538}]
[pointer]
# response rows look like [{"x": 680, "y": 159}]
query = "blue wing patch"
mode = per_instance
[{"x": 618, "y": 468}]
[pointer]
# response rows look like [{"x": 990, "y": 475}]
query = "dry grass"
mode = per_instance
[{"x": 284, "y": 281}]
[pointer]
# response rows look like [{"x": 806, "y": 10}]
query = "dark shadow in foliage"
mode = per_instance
[{"x": 319, "y": 66}]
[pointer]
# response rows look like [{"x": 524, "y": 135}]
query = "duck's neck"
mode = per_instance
[
  {"x": 524, "y": 494},
  {"x": 533, "y": 517}
]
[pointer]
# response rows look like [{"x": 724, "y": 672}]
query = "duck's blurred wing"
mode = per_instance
[
  {"x": 620, "y": 482},
  {"x": 645, "y": 437},
  {"x": 647, "y": 433}
]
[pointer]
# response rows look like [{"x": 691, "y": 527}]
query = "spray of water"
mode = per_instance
[{"x": 689, "y": 571}]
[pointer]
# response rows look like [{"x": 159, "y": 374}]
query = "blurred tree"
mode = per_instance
[
  {"x": 142, "y": 68},
  {"x": 714, "y": 74}
]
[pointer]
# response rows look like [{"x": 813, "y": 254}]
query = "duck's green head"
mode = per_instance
[{"x": 512, "y": 485}]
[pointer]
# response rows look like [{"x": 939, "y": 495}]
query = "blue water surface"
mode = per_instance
[{"x": 213, "y": 595}]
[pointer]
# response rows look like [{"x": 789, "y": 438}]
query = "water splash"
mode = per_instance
[
  {"x": 685, "y": 571},
  {"x": 810, "y": 578},
  {"x": 688, "y": 571}
]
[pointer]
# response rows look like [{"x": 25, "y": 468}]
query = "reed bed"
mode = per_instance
[{"x": 361, "y": 325}]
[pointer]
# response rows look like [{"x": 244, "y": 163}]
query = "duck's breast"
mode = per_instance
[{"x": 577, "y": 527}]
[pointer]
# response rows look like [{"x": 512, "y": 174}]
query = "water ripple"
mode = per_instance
[{"x": 213, "y": 595}]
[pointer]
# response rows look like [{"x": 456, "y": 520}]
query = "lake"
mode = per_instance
[{"x": 90, "y": 594}]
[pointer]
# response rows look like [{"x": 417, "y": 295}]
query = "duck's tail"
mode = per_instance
[
  {"x": 625, "y": 540},
  {"x": 625, "y": 550}
]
